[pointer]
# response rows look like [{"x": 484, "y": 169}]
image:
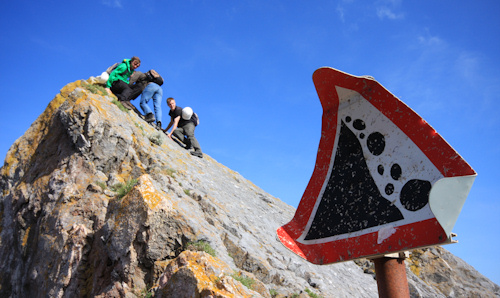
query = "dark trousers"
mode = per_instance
[
  {"x": 124, "y": 91},
  {"x": 188, "y": 131}
]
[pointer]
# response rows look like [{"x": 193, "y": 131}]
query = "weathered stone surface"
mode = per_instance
[
  {"x": 450, "y": 275},
  {"x": 65, "y": 231},
  {"x": 195, "y": 274}
]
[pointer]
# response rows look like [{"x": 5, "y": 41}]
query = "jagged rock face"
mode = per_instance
[
  {"x": 450, "y": 275},
  {"x": 66, "y": 232}
]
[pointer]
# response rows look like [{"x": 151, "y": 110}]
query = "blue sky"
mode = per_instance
[{"x": 246, "y": 68}]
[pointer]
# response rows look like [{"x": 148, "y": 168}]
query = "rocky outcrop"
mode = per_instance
[
  {"x": 450, "y": 275},
  {"x": 97, "y": 203}
]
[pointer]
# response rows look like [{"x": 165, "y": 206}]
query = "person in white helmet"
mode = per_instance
[{"x": 183, "y": 123}]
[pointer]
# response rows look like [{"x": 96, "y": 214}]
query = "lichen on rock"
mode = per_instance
[{"x": 65, "y": 232}]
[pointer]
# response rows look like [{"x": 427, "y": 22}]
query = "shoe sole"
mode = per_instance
[
  {"x": 127, "y": 105},
  {"x": 200, "y": 155}
]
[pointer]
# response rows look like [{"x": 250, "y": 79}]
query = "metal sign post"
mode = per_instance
[
  {"x": 384, "y": 182},
  {"x": 391, "y": 276}
]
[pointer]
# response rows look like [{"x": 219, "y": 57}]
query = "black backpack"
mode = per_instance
[
  {"x": 196, "y": 119},
  {"x": 153, "y": 76}
]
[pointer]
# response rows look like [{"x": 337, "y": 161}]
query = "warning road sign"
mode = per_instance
[{"x": 384, "y": 180}]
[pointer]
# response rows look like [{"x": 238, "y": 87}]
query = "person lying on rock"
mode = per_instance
[
  {"x": 183, "y": 123},
  {"x": 118, "y": 81}
]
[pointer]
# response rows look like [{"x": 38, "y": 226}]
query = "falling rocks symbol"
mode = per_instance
[{"x": 351, "y": 201}]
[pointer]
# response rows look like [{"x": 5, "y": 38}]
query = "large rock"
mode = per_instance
[{"x": 67, "y": 230}]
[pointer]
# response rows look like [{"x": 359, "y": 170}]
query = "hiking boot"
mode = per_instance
[
  {"x": 158, "y": 125},
  {"x": 150, "y": 118},
  {"x": 187, "y": 142},
  {"x": 197, "y": 153},
  {"x": 127, "y": 104}
]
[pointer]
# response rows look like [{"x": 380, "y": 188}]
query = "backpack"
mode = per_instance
[
  {"x": 103, "y": 78},
  {"x": 110, "y": 69},
  {"x": 196, "y": 119},
  {"x": 153, "y": 76},
  {"x": 188, "y": 115}
]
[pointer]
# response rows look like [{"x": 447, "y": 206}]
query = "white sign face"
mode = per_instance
[
  {"x": 382, "y": 180},
  {"x": 377, "y": 167}
]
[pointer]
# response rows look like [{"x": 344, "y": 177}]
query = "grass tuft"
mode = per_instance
[
  {"x": 156, "y": 139},
  {"x": 201, "y": 245},
  {"x": 122, "y": 189},
  {"x": 96, "y": 89},
  {"x": 171, "y": 172},
  {"x": 244, "y": 280},
  {"x": 312, "y": 294},
  {"x": 119, "y": 105},
  {"x": 101, "y": 184},
  {"x": 273, "y": 293}
]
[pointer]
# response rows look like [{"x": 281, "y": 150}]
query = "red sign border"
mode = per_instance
[{"x": 440, "y": 153}]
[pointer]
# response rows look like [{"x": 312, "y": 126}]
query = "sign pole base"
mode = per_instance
[{"x": 391, "y": 277}]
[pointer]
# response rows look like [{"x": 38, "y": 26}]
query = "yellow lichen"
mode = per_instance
[
  {"x": 10, "y": 160},
  {"x": 199, "y": 264},
  {"x": 150, "y": 195},
  {"x": 25, "y": 237}
]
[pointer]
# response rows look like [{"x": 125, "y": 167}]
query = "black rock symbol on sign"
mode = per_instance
[
  {"x": 384, "y": 180},
  {"x": 352, "y": 194}
]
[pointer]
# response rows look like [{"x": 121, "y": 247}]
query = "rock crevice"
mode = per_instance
[{"x": 67, "y": 228}]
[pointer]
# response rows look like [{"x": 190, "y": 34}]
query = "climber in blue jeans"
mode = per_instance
[
  {"x": 155, "y": 92},
  {"x": 150, "y": 85}
]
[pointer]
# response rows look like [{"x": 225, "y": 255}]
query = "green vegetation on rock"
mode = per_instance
[{"x": 123, "y": 189}]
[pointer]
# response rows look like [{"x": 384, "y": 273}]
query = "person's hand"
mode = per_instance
[
  {"x": 168, "y": 134},
  {"x": 109, "y": 91}
]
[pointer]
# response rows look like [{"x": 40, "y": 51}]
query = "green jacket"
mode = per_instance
[{"x": 121, "y": 72}]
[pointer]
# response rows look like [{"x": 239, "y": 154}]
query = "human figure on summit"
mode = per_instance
[
  {"x": 183, "y": 123},
  {"x": 118, "y": 81},
  {"x": 150, "y": 83}
]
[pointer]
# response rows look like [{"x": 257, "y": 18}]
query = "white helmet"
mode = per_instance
[{"x": 187, "y": 112}]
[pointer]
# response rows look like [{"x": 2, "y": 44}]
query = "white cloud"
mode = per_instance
[
  {"x": 113, "y": 3},
  {"x": 340, "y": 11},
  {"x": 467, "y": 65},
  {"x": 430, "y": 40},
  {"x": 385, "y": 12},
  {"x": 388, "y": 9}
]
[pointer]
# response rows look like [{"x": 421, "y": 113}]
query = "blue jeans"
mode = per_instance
[{"x": 155, "y": 92}]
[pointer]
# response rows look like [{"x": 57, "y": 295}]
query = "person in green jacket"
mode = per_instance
[{"x": 118, "y": 81}]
